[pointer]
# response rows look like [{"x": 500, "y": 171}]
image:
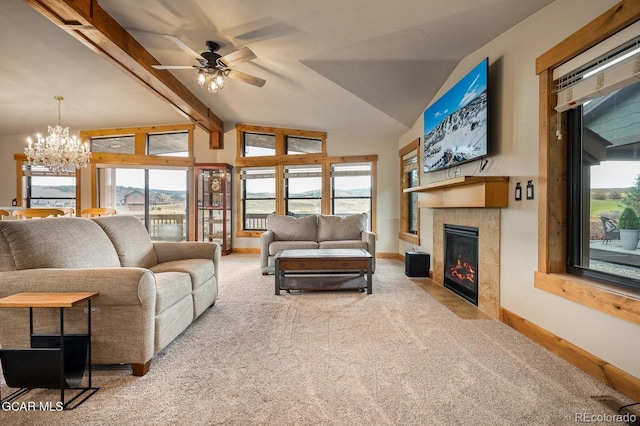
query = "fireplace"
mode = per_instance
[{"x": 461, "y": 261}]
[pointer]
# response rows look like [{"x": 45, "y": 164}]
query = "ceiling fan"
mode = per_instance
[{"x": 213, "y": 68}]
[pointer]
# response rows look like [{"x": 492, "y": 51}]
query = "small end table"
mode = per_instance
[{"x": 54, "y": 360}]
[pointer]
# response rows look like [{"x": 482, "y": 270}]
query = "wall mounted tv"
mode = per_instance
[{"x": 455, "y": 126}]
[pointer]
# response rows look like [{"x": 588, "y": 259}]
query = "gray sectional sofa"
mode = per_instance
[
  {"x": 149, "y": 292},
  {"x": 313, "y": 232}
]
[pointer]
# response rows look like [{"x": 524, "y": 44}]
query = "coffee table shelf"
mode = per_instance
[{"x": 325, "y": 269}]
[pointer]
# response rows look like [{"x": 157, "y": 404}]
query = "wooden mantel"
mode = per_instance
[{"x": 465, "y": 191}]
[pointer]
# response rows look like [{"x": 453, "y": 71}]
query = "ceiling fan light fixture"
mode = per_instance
[
  {"x": 219, "y": 80},
  {"x": 213, "y": 68},
  {"x": 201, "y": 77},
  {"x": 212, "y": 87}
]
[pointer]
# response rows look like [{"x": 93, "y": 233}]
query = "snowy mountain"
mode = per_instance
[{"x": 460, "y": 137}]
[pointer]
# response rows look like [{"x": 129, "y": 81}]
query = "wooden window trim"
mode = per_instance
[
  {"x": 140, "y": 157},
  {"x": 280, "y": 156},
  {"x": 326, "y": 163},
  {"x": 404, "y": 235},
  {"x": 20, "y": 159},
  {"x": 552, "y": 276}
]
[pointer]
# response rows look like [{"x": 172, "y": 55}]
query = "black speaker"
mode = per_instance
[{"x": 416, "y": 264}]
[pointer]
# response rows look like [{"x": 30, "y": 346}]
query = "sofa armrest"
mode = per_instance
[
  {"x": 116, "y": 286},
  {"x": 370, "y": 238},
  {"x": 171, "y": 251},
  {"x": 123, "y": 312},
  {"x": 266, "y": 238}
]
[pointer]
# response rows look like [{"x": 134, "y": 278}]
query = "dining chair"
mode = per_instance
[
  {"x": 3, "y": 213},
  {"x": 36, "y": 212},
  {"x": 97, "y": 211},
  {"x": 68, "y": 211}
]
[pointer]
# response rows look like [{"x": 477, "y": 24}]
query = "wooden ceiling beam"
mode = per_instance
[{"x": 95, "y": 28}]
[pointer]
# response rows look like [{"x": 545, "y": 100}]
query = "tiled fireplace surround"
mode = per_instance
[{"x": 487, "y": 220}]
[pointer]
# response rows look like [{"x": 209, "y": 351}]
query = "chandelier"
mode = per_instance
[
  {"x": 58, "y": 152},
  {"x": 212, "y": 78}
]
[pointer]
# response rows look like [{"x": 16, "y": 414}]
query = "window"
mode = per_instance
[
  {"x": 298, "y": 145},
  {"x": 47, "y": 189},
  {"x": 604, "y": 162},
  {"x": 409, "y": 213},
  {"x": 303, "y": 190},
  {"x": 258, "y": 144},
  {"x": 286, "y": 171},
  {"x": 144, "y": 171},
  {"x": 551, "y": 275},
  {"x": 259, "y": 141},
  {"x": 158, "y": 197},
  {"x": 175, "y": 144},
  {"x": 124, "y": 144},
  {"x": 351, "y": 189},
  {"x": 258, "y": 196}
]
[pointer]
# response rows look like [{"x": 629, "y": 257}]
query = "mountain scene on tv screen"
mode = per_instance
[{"x": 458, "y": 138}]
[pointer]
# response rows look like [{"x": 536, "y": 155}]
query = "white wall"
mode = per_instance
[
  {"x": 513, "y": 101},
  {"x": 10, "y": 145}
]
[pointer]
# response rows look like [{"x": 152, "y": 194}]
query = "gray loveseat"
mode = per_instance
[
  {"x": 149, "y": 292},
  {"x": 313, "y": 232}
]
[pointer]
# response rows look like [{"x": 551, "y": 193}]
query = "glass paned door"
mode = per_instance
[{"x": 158, "y": 197}]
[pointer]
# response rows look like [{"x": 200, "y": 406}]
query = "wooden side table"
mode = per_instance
[{"x": 54, "y": 361}]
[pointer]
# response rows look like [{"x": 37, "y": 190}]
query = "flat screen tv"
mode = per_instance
[{"x": 455, "y": 126}]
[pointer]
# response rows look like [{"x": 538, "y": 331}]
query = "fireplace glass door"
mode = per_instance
[{"x": 461, "y": 261}]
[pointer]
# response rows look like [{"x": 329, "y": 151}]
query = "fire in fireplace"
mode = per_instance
[{"x": 461, "y": 261}]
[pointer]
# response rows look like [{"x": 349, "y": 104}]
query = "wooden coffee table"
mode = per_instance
[{"x": 327, "y": 269}]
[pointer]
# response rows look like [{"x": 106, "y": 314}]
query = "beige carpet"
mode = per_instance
[{"x": 335, "y": 358}]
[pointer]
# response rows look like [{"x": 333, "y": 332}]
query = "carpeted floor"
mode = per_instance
[{"x": 395, "y": 357}]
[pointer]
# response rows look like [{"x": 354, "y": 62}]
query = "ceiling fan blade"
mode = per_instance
[
  {"x": 239, "y": 75},
  {"x": 240, "y": 55},
  {"x": 175, "y": 67},
  {"x": 184, "y": 47}
]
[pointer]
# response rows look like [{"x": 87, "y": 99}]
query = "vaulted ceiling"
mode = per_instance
[{"x": 357, "y": 66}]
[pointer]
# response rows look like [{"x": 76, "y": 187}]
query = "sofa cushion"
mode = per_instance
[
  {"x": 171, "y": 287},
  {"x": 200, "y": 270},
  {"x": 278, "y": 246},
  {"x": 332, "y": 228},
  {"x": 289, "y": 228},
  {"x": 355, "y": 244},
  {"x": 61, "y": 242},
  {"x": 130, "y": 238}
]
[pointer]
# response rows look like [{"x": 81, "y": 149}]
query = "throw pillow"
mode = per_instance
[
  {"x": 336, "y": 228},
  {"x": 289, "y": 228}
]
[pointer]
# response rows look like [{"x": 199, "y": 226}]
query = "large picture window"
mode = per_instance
[
  {"x": 604, "y": 160},
  {"x": 287, "y": 171},
  {"x": 553, "y": 193}
]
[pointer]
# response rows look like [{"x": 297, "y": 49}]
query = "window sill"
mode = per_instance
[
  {"x": 615, "y": 301},
  {"x": 249, "y": 234},
  {"x": 410, "y": 238}
]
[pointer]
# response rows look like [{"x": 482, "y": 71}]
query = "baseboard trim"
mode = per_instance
[
  {"x": 389, "y": 256},
  {"x": 245, "y": 250},
  {"x": 608, "y": 374}
]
